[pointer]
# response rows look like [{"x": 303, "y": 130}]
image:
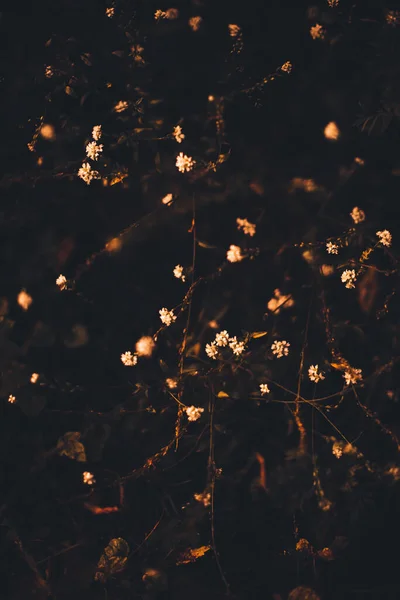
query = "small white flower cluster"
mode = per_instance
[
  {"x": 234, "y": 254},
  {"x": 61, "y": 282},
  {"x": 204, "y": 498},
  {"x": 333, "y": 3},
  {"x": 110, "y": 12},
  {"x": 234, "y": 30},
  {"x": 179, "y": 272},
  {"x": 34, "y": 377},
  {"x": 121, "y": 106},
  {"x": 87, "y": 174},
  {"x": 287, "y": 67},
  {"x": 352, "y": 376},
  {"x": 332, "y": 248},
  {"x": 279, "y": 301},
  {"x": 160, "y": 14},
  {"x": 128, "y": 359},
  {"x": 385, "y": 237},
  {"x": 348, "y": 277},
  {"x": 280, "y": 348},
  {"x": 93, "y": 151},
  {"x": 222, "y": 339},
  {"x": 178, "y": 134},
  {"x": 171, "y": 383},
  {"x": 88, "y": 478},
  {"x": 145, "y": 346},
  {"x": 314, "y": 374},
  {"x": 264, "y": 389},
  {"x": 167, "y": 199},
  {"x": 12, "y": 399},
  {"x": 358, "y": 215},
  {"x": 195, "y": 22},
  {"x": 248, "y": 228},
  {"x": 167, "y": 316},
  {"x": 193, "y": 413},
  {"x": 184, "y": 163}
]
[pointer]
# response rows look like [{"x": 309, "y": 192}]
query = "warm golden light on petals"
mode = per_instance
[
  {"x": 61, "y": 282},
  {"x": 121, "y": 106},
  {"x": 88, "y": 478},
  {"x": 184, "y": 163},
  {"x": 287, "y": 67},
  {"x": 12, "y": 399},
  {"x": 179, "y": 136},
  {"x": 110, "y": 12},
  {"x": 317, "y": 32},
  {"x": 168, "y": 199},
  {"x": 145, "y": 346},
  {"x": 172, "y": 13},
  {"x": 24, "y": 300},
  {"x": 193, "y": 413},
  {"x": 47, "y": 132},
  {"x": 128, "y": 359},
  {"x": 34, "y": 377},
  {"x": 331, "y": 131},
  {"x": 234, "y": 254},
  {"x": 358, "y": 215},
  {"x": 195, "y": 23}
]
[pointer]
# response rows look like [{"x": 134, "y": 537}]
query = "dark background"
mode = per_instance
[{"x": 51, "y": 222}]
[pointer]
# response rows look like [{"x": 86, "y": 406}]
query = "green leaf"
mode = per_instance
[{"x": 113, "y": 560}]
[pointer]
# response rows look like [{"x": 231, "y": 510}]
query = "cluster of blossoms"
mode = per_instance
[
  {"x": 314, "y": 374},
  {"x": 348, "y": 277},
  {"x": 264, "y": 389},
  {"x": 110, "y": 12},
  {"x": 61, "y": 282},
  {"x": 193, "y": 413},
  {"x": 88, "y": 478},
  {"x": 352, "y": 376},
  {"x": 34, "y": 377},
  {"x": 93, "y": 151},
  {"x": 333, "y": 3},
  {"x": 121, "y": 106},
  {"x": 287, "y": 67},
  {"x": 340, "y": 447},
  {"x": 279, "y": 301},
  {"x": 317, "y": 32},
  {"x": 184, "y": 163},
  {"x": 179, "y": 272},
  {"x": 167, "y": 199},
  {"x": 247, "y": 227},
  {"x": 195, "y": 22},
  {"x": 171, "y": 13},
  {"x": 128, "y": 359},
  {"x": 234, "y": 254},
  {"x": 222, "y": 340},
  {"x": 358, "y": 215},
  {"x": 331, "y": 131},
  {"x": 167, "y": 316},
  {"x": 204, "y": 498},
  {"x": 280, "y": 348},
  {"x": 145, "y": 346},
  {"x": 234, "y": 30},
  {"x": 178, "y": 134},
  {"x": 12, "y": 399},
  {"x": 48, "y": 72},
  {"x": 385, "y": 237},
  {"x": 332, "y": 248}
]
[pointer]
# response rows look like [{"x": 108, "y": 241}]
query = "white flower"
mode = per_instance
[
  {"x": 121, "y": 106},
  {"x": 385, "y": 237},
  {"x": 280, "y": 348},
  {"x": 160, "y": 14},
  {"x": 195, "y": 23},
  {"x": 248, "y": 228},
  {"x": 129, "y": 359},
  {"x": 236, "y": 347},
  {"x": 234, "y": 30},
  {"x": 24, "y": 299},
  {"x": 348, "y": 277},
  {"x": 61, "y": 281},
  {"x": 178, "y": 134},
  {"x": 87, "y": 174},
  {"x": 184, "y": 163},
  {"x": 212, "y": 350},
  {"x": 94, "y": 150},
  {"x": 193, "y": 413},
  {"x": 264, "y": 389},
  {"x": 279, "y": 301},
  {"x": 171, "y": 383},
  {"x": 357, "y": 215},
  {"x": 110, "y": 12},
  {"x": 314, "y": 374},
  {"x": 332, "y": 248},
  {"x": 96, "y": 132},
  {"x": 145, "y": 346},
  {"x": 88, "y": 478},
  {"x": 352, "y": 376},
  {"x": 178, "y": 272},
  {"x": 12, "y": 399},
  {"x": 234, "y": 254},
  {"x": 167, "y": 316},
  {"x": 222, "y": 338},
  {"x": 167, "y": 199},
  {"x": 331, "y": 131},
  {"x": 34, "y": 377},
  {"x": 204, "y": 498}
]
